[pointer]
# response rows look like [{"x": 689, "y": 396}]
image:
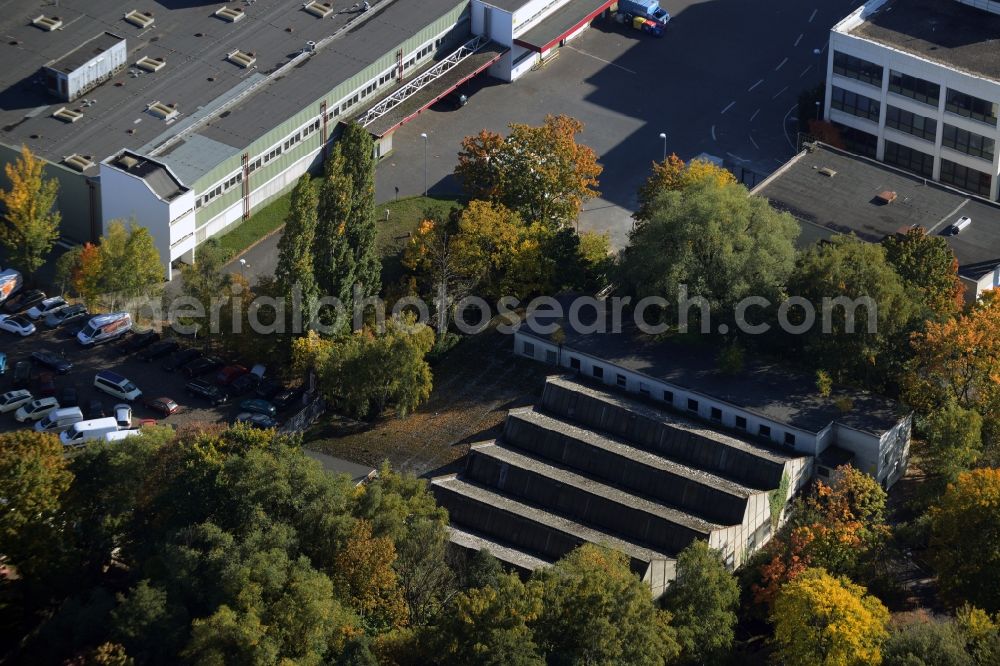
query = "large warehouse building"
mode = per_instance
[{"x": 188, "y": 117}]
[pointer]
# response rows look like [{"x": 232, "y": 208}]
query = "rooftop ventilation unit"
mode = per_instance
[
  {"x": 140, "y": 19},
  {"x": 47, "y": 23},
  {"x": 67, "y": 115},
  {"x": 126, "y": 162},
  {"x": 318, "y": 9},
  {"x": 241, "y": 58},
  {"x": 886, "y": 197},
  {"x": 78, "y": 162},
  {"x": 163, "y": 111},
  {"x": 150, "y": 64},
  {"x": 231, "y": 15},
  {"x": 828, "y": 172}
]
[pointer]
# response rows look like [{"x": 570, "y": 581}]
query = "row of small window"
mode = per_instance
[
  {"x": 855, "y": 104},
  {"x": 907, "y": 158},
  {"x": 959, "y": 103},
  {"x": 965, "y": 178},
  {"x": 219, "y": 190},
  {"x": 715, "y": 414},
  {"x": 967, "y": 142},
  {"x": 856, "y": 68},
  {"x": 911, "y": 123},
  {"x": 953, "y": 137}
]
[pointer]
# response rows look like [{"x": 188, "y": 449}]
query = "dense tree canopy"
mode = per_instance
[
  {"x": 928, "y": 268},
  {"x": 820, "y": 620},
  {"x": 722, "y": 244},
  {"x": 672, "y": 175},
  {"x": 965, "y": 539}
]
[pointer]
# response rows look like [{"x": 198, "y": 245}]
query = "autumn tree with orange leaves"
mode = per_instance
[
  {"x": 673, "y": 174},
  {"x": 958, "y": 360},
  {"x": 541, "y": 172}
]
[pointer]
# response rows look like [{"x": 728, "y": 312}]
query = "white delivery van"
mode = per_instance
[
  {"x": 105, "y": 328},
  {"x": 82, "y": 432},
  {"x": 119, "y": 435},
  {"x": 10, "y": 283},
  {"x": 59, "y": 419},
  {"x": 960, "y": 224}
]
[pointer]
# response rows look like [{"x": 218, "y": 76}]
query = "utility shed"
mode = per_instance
[
  {"x": 86, "y": 67},
  {"x": 588, "y": 465}
]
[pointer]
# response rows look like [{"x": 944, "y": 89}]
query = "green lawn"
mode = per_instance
[
  {"x": 404, "y": 216},
  {"x": 260, "y": 224}
]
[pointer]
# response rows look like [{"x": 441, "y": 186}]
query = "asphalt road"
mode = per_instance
[{"x": 724, "y": 80}]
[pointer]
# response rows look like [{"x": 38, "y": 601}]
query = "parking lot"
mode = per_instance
[{"x": 150, "y": 377}]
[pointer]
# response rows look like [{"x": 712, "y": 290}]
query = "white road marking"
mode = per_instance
[
  {"x": 947, "y": 217},
  {"x": 750, "y": 89},
  {"x": 813, "y": 15},
  {"x": 778, "y": 94},
  {"x": 713, "y": 133},
  {"x": 784, "y": 126},
  {"x": 805, "y": 71},
  {"x": 781, "y": 64},
  {"x": 729, "y": 106},
  {"x": 737, "y": 157},
  {"x": 754, "y": 115},
  {"x": 753, "y": 142},
  {"x": 799, "y": 38},
  {"x": 606, "y": 62}
]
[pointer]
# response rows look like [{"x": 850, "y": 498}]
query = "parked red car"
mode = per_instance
[
  {"x": 229, "y": 374},
  {"x": 163, "y": 406}
]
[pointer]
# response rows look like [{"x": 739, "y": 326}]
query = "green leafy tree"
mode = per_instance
[
  {"x": 366, "y": 372},
  {"x": 820, "y": 620},
  {"x": 542, "y": 173},
  {"x": 926, "y": 642},
  {"x": 30, "y": 223},
  {"x": 864, "y": 335},
  {"x": 719, "y": 243},
  {"x": 334, "y": 264},
  {"x": 952, "y": 442},
  {"x": 596, "y": 611},
  {"x": 489, "y": 626},
  {"x": 295, "y": 249},
  {"x": 965, "y": 539},
  {"x": 703, "y": 601},
  {"x": 130, "y": 263},
  {"x": 928, "y": 268}
]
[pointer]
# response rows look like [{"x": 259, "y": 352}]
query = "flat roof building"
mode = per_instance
[
  {"x": 830, "y": 191},
  {"x": 916, "y": 84}
]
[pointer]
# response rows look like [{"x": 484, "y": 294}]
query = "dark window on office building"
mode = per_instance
[
  {"x": 857, "y": 141},
  {"x": 911, "y": 123},
  {"x": 668, "y": 396},
  {"x": 855, "y": 104},
  {"x": 789, "y": 439},
  {"x": 965, "y": 178},
  {"x": 574, "y": 363},
  {"x": 598, "y": 372},
  {"x": 529, "y": 349},
  {"x": 914, "y": 88},
  {"x": 716, "y": 414},
  {"x": 907, "y": 158},
  {"x": 967, "y": 142},
  {"x": 692, "y": 404},
  {"x": 621, "y": 380},
  {"x": 856, "y": 68},
  {"x": 764, "y": 431},
  {"x": 741, "y": 422},
  {"x": 971, "y": 107}
]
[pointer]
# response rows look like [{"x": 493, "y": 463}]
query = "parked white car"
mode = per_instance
[
  {"x": 123, "y": 415},
  {"x": 36, "y": 409},
  {"x": 46, "y": 307},
  {"x": 16, "y": 324},
  {"x": 12, "y": 400}
]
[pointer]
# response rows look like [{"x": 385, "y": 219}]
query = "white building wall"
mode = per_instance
[{"x": 894, "y": 59}]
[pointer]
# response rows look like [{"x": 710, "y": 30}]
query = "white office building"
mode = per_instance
[{"x": 916, "y": 84}]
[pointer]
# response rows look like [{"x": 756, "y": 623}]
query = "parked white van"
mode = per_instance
[
  {"x": 114, "y": 384},
  {"x": 119, "y": 435},
  {"x": 82, "y": 432},
  {"x": 59, "y": 419},
  {"x": 105, "y": 328}
]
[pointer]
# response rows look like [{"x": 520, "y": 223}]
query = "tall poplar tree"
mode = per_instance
[
  {"x": 359, "y": 163},
  {"x": 333, "y": 262},
  {"x": 295, "y": 249}
]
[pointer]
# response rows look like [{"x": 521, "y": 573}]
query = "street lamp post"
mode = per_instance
[
  {"x": 663, "y": 135},
  {"x": 817, "y": 110},
  {"x": 423, "y": 135}
]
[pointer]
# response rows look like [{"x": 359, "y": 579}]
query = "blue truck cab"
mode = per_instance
[
  {"x": 649, "y": 9},
  {"x": 3, "y": 363}
]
